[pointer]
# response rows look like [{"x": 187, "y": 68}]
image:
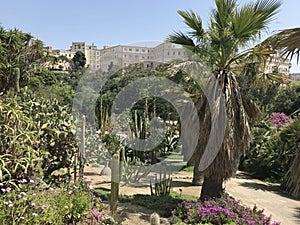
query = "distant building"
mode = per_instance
[
  {"x": 295, "y": 77},
  {"x": 124, "y": 55},
  {"x": 121, "y": 56},
  {"x": 61, "y": 60},
  {"x": 278, "y": 64},
  {"x": 92, "y": 54}
]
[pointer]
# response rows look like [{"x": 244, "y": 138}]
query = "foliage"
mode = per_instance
[
  {"x": 79, "y": 61},
  {"x": 163, "y": 184},
  {"x": 19, "y": 156},
  {"x": 52, "y": 85},
  {"x": 21, "y": 53},
  {"x": 56, "y": 133},
  {"x": 274, "y": 154},
  {"x": 165, "y": 203},
  {"x": 35, "y": 203},
  {"x": 287, "y": 100},
  {"x": 289, "y": 142},
  {"x": 224, "y": 210},
  {"x": 37, "y": 135}
]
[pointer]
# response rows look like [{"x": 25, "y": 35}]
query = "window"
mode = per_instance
[
  {"x": 143, "y": 50},
  {"x": 130, "y": 49},
  {"x": 136, "y": 49}
]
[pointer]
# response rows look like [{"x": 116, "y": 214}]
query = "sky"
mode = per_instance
[{"x": 58, "y": 23}]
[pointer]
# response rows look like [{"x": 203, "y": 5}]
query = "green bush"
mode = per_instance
[
  {"x": 37, "y": 137},
  {"x": 35, "y": 203},
  {"x": 19, "y": 156},
  {"x": 274, "y": 154},
  {"x": 56, "y": 132}
]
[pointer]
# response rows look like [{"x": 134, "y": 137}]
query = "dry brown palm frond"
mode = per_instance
[
  {"x": 237, "y": 135},
  {"x": 292, "y": 176}
]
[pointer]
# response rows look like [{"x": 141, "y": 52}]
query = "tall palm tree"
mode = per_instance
[
  {"x": 231, "y": 28},
  {"x": 20, "y": 53}
]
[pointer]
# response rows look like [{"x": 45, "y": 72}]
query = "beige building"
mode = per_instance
[
  {"x": 61, "y": 63},
  {"x": 92, "y": 54},
  {"x": 123, "y": 55},
  {"x": 278, "y": 65}
]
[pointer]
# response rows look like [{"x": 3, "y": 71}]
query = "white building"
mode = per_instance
[{"x": 123, "y": 55}]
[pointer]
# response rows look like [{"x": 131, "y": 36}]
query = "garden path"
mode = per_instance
[{"x": 282, "y": 207}]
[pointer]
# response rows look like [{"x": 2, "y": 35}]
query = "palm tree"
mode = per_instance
[
  {"x": 20, "y": 53},
  {"x": 231, "y": 28}
]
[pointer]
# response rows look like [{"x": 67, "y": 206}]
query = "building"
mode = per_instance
[
  {"x": 60, "y": 60},
  {"x": 295, "y": 77},
  {"x": 92, "y": 54},
  {"x": 122, "y": 56},
  {"x": 278, "y": 65}
]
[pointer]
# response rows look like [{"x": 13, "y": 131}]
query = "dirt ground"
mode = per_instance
[
  {"x": 134, "y": 214},
  {"x": 251, "y": 192}
]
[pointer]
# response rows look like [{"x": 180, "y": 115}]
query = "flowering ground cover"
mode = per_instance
[{"x": 225, "y": 210}]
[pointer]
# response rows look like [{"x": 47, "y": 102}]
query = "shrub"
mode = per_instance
[
  {"x": 35, "y": 203},
  {"x": 219, "y": 211},
  {"x": 19, "y": 157}
]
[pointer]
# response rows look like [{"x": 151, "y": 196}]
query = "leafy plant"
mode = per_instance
[
  {"x": 35, "y": 203},
  {"x": 19, "y": 157}
]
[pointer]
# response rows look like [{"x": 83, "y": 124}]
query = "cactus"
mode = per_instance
[{"x": 163, "y": 186}]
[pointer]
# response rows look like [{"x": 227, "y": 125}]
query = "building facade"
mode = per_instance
[{"x": 121, "y": 56}]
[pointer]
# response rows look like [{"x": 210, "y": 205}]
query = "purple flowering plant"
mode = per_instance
[
  {"x": 225, "y": 210},
  {"x": 279, "y": 119}
]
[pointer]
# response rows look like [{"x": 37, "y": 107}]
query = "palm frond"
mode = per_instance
[
  {"x": 182, "y": 39},
  {"x": 220, "y": 17},
  {"x": 251, "y": 19},
  {"x": 287, "y": 42},
  {"x": 193, "y": 21}
]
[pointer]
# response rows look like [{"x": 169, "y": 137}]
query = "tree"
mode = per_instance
[
  {"x": 231, "y": 27},
  {"x": 79, "y": 61},
  {"x": 21, "y": 53}
]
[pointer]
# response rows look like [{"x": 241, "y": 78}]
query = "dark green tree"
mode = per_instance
[{"x": 79, "y": 61}]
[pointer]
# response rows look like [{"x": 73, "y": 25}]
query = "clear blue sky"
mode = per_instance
[{"x": 111, "y": 22}]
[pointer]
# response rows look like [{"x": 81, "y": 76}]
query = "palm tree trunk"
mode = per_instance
[
  {"x": 211, "y": 188},
  {"x": 197, "y": 176}
]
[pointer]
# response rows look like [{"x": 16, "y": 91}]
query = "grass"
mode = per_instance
[
  {"x": 188, "y": 169},
  {"x": 164, "y": 204}
]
